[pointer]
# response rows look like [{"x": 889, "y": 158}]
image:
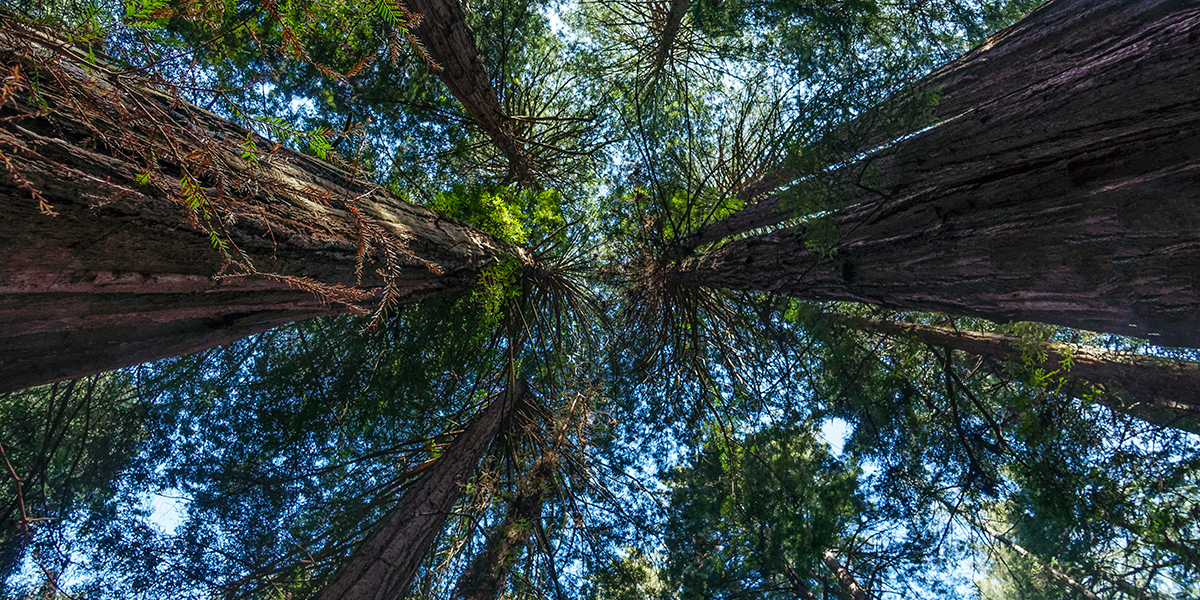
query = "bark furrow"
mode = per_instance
[
  {"x": 446, "y": 36},
  {"x": 127, "y": 272},
  {"x": 1068, "y": 199}
]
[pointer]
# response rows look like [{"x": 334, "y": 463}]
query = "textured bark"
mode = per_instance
[
  {"x": 124, "y": 274},
  {"x": 384, "y": 565},
  {"x": 485, "y": 577},
  {"x": 764, "y": 213},
  {"x": 1163, "y": 391},
  {"x": 1067, "y": 195},
  {"x": 1030, "y": 53},
  {"x": 844, "y": 577},
  {"x": 445, "y": 35}
]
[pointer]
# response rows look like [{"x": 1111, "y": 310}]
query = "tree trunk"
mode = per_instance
[
  {"x": 670, "y": 31},
  {"x": 384, "y": 565},
  {"x": 127, "y": 271},
  {"x": 1159, "y": 390},
  {"x": 844, "y": 577},
  {"x": 445, "y": 35},
  {"x": 485, "y": 577},
  {"x": 1065, "y": 195},
  {"x": 958, "y": 88},
  {"x": 799, "y": 586}
]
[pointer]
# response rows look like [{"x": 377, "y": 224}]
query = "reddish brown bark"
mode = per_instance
[
  {"x": 1067, "y": 195},
  {"x": 1159, "y": 390},
  {"x": 447, "y": 38},
  {"x": 124, "y": 274},
  {"x": 384, "y": 565}
]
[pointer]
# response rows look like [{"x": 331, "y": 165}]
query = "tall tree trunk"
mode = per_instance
[
  {"x": 1065, "y": 193},
  {"x": 1029, "y": 53},
  {"x": 670, "y": 31},
  {"x": 384, "y": 565},
  {"x": 844, "y": 576},
  {"x": 1159, "y": 390},
  {"x": 127, "y": 271},
  {"x": 445, "y": 35},
  {"x": 484, "y": 578}
]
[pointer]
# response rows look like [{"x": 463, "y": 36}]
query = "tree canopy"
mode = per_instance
[{"x": 600, "y": 299}]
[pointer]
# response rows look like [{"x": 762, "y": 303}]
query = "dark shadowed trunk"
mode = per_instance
[
  {"x": 844, "y": 576},
  {"x": 485, "y": 577},
  {"x": 1159, "y": 390},
  {"x": 384, "y": 565},
  {"x": 128, "y": 271},
  {"x": 767, "y": 182},
  {"x": 670, "y": 31},
  {"x": 799, "y": 585},
  {"x": 1064, "y": 191},
  {"x": 449, "y": 41}
]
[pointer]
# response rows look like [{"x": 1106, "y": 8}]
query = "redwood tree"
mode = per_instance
[
  {"x": 386, "y": 562},
  {"x": 444, "y": 33},
  {"x": 1156, "y": 389},
  {"x": 485, "y": 577},
  {"x": 138, "y": 226},
  {"x": 1061, "y": 190}
]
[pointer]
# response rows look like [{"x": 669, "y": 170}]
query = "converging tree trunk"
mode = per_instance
[
  {"x": 176, "y": 230},
  {"x": 485, "y": 576},
  {"x": 844, "y": 576},
  {"x": 1156, "y": 389},
  {"x": 384, "y": 565},
  {"x": 1063, "y": 192},
  {"x": 670, "y": 31},
  {"x": 799, "y": 585},
  {"x": 445, "y": 35}
]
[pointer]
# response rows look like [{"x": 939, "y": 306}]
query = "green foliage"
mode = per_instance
[
  {"x": 499, "y": 287},
  {"x": 74, "y": 445},
  {"x": 287, "y": 446},
  {"x": 394, "y": 15},
  {"x": 147, "y": 13},
  {"x": 633, "y": 576},
  {"x": 745, "y": 511},
  {"x": 519, "y": 217}
]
